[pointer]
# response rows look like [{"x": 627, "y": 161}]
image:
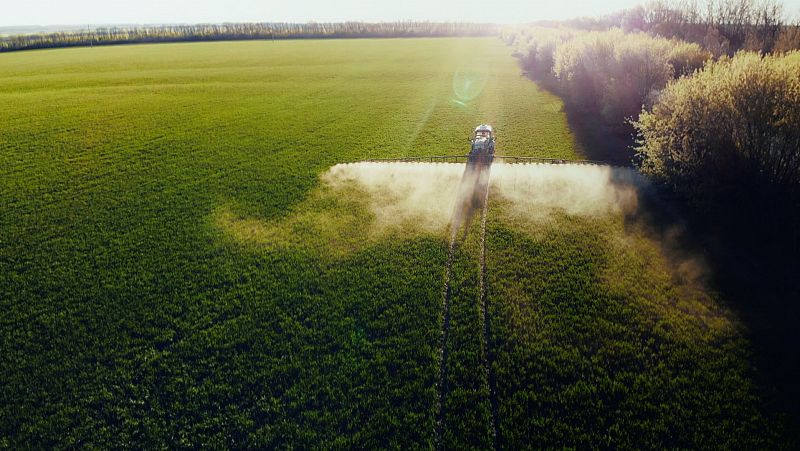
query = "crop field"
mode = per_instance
[{"x": 185, "y": 260}]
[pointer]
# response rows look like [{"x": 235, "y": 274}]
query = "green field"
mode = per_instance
[{"x": 177, "y": 268}]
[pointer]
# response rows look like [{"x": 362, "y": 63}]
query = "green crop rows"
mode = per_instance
[
  {"x": 602, "y": 342},
  {"x": 173, "y": 273}
]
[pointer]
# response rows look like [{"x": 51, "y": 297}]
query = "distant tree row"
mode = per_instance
[
  {"x": 721, "y": 26},
  {"x": 610, "y": 73},
  {"x": 242, "y": 31},
  {"x": 722, "y": 132}
]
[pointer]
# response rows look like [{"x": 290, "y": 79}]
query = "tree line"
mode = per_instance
[
  {"x": 242, "y": 31},
  {"x": 611, "y": 73},
  {"x": 721, "y": 26},
  {"x": 711, "y": 95},
  {"x": 728, "y": 140}
]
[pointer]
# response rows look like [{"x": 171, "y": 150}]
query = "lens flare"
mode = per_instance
[{"x": 468, "y": 83}]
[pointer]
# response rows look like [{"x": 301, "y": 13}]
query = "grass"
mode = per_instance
[
  {"x": 175, "y": 274},
  {"x": 603, "y": 339}
]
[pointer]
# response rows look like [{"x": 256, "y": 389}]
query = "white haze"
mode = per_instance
[
  {"x": 421, "y": 194},
  {"x": 48, "y": 12},
  {"x": 424, "y": 195},
  {"x": 580, "y": 190}
]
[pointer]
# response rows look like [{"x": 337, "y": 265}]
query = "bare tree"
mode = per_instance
[{"x": 789, "y": 38}]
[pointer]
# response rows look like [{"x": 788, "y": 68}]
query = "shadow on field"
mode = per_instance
[
  {"x": 743, "y": 259},
  {"x": 593, "y": 137},
  {"x": 759, "y": 277},
  {"x": 756, "y": 278},
  {"x": 598, "y": 141}
]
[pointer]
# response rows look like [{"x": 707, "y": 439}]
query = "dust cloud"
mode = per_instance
[
  {"x": 431, "y": 196},
  {"x": 421, "y": 195},
  {"x": 649, "y": 242},
  {"x": 472, "y": 195},
  {"x": 579, "y": 190}
]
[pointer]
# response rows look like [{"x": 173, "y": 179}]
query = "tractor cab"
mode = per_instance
[
  {"x": 483, "y": 132},
  {"x": 482, "y": 143}
]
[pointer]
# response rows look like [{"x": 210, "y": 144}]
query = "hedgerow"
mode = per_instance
[
  {"x": 240, "y": 31},
  {"x": 730, "y": 135},
  {"x": 610, "y": 73}
]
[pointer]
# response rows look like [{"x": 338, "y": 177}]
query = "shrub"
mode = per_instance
[
  {"x": 685, "y": 58},
  {"x": 581, "y": 68},
  {"x": 730, "y": 135},
  {"x": 615, "y": 73},
  {"x": 537, "y": 47},
  {"x": 612, "y": 73},
  {"x": 788, "y": 40}
]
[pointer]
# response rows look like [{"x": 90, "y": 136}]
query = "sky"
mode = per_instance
[
  {"x": 96, "y": 12},
  {"x": 72, "y": 12}
]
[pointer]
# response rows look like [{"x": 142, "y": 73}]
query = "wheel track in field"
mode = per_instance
[
  {"x": 445, "y": 336},
  {"x": 487, "y": 356}
]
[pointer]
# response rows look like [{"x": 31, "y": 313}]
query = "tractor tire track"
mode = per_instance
[
  {"x": 476, "y": 177},
  {"x": 487, "y": 356},
  {"x": 446, "y": 293}
]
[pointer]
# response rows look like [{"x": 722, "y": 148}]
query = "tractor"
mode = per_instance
[{"x": 482, "y": 140}]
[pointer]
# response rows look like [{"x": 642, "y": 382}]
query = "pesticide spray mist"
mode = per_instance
[
  {"x": 360, "y": 203},
  {"x": 421, "y": 195},
  {"x": 433, "y": 196},
  {"x": 471, "y": 197},
  {"x": 578, "y": 190}
]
